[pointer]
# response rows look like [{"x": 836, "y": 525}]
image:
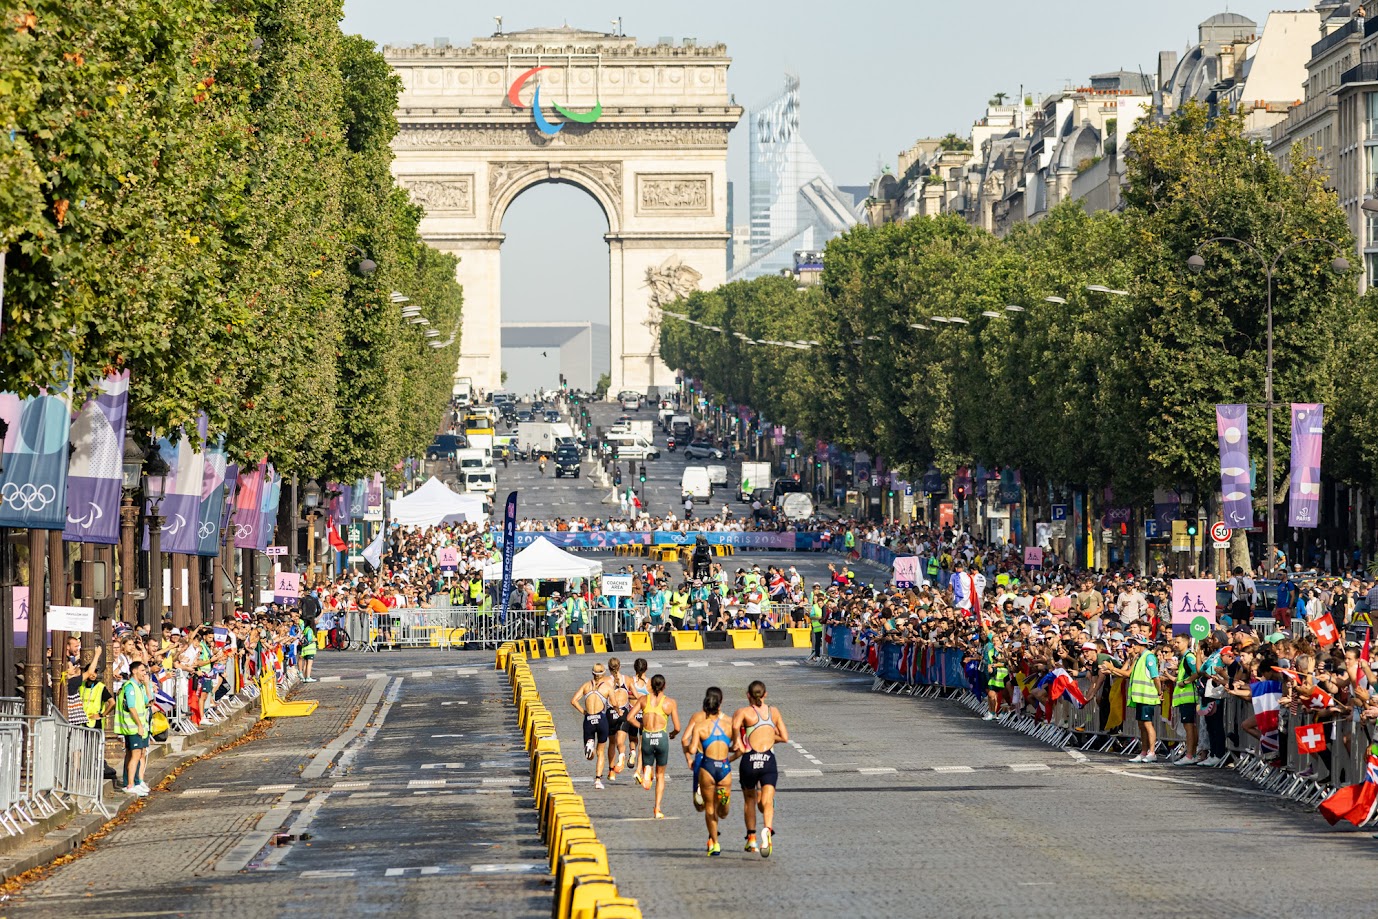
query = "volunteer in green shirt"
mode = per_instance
[{"x": 132, "y": 717}]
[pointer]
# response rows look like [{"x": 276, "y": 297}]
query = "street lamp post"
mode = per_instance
[
  {"x": 155, "y": 485},
  {"x": 311, "y": 498},
  {"x": 1339, "y": 265},
  {"x": 131, "y": 468}
]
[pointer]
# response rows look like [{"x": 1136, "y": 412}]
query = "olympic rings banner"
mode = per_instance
[
  {"x": 212, "y": 505},
  {"x": 246, "y": 503},
  {"x": 789, "y": 542},
  {"x": 33, "y": 485}
]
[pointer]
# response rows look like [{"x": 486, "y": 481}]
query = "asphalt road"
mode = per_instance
[
  {"x": 888, "y": 807},
  {"x": 548, "y": 497}
]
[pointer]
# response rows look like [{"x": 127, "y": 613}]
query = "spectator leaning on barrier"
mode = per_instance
[
  {"x": 1145, "y": 693},
  {"x": 1184, "y": 696}
]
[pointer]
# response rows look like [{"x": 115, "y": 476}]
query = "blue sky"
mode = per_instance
[{"x": 874, "y": 76}]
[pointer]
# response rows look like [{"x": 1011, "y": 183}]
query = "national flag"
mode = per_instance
[
  {"x": 164, "y": 701},
  {"x": 1267, "y": 701},
  {"x": 1119, "y": 695},
  {"x": 1064, "y": 684},
  {"x": 221, "y": 637},
  {"x": 1320, "y": 699},
  {"x": 1363, "y": 653},
  {"x": 1354, "y": 802},
  {"x": 1310, "y": 738},
  {"x": 1293, "y": 675},
  {"x": 332, "y": 533},
  {"x": 1324, "y": 628}
]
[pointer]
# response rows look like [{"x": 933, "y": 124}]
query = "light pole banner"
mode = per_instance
[
  {"x": 246, "y": 503},
  {"x": 181, "y": 492},
  {"x": 33, "y": 485},
  {"x": 1304, "y": 496},
  {"x": 509, "y": 549},
  {"x": 268, "y": 507},
  {"x": 95, "y": 471},
  {"x": 214, "y": 475},
  {"x": 1232, "y": 431}
]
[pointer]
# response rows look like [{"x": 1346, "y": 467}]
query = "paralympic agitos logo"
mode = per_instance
[{"x": 546, "y": 126}]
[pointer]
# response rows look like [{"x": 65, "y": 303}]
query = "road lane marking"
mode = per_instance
[
  {"x": 446, "y": 735},
  {"x": 426, "y": 783},
  {"x": 349, "y": 786},
  {"x": 796, "y": 773},
  {"x": 380, "y": 698},
  {"x": 375, "y": 676},
  {"x": 456, "y": 702},
  {"x": 698, "y": 663},
  {"x": 878, "y": 770},
  {"x": 743, "y": 664},
  {"x": 265, "y": 789},
  {"x": 200, "y": 792},
  {"x": 328, "y": 874},
  {"x": 953, "y": 769},
  {"x": 328, "y": 679},
  {"x": 421, "y": 673},
  {"x": 1029, "y": 767},
  {"x": 442, "y": 765},
  {"x": 1078, "y": 756},
  {"x": 558, "y": 668},
  {"x": 399, "y": 872}
]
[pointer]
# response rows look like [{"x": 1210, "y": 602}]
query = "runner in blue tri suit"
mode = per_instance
[{"x": 711, "y": 737}]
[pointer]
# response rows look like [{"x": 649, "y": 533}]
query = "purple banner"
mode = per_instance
[
  {"x": 95, "y": 471},
  {"x": 1232, "y": 431},
  {"x": 341, "y": 506},
  {"x": 246, "y": 504},
  {"x": 211, "y": 507},
  {"x": 509, "y": 549},
  {"x": 1304, "y": 497},
  {"x": 33, "y": 485},
  {"x": 374, "y": 503}
]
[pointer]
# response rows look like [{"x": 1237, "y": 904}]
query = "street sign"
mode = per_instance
[
  {"x": 909, "y": 489},
  {"x": 356, "y": 534},
  {"x": 1059, "y": 512},
  {"x": 275, "y": 550},
  {"x": 875, "y": 481},
  {"x": 1181, "y": 540},
  {"x": 1057, "y": 529},
  {"x": 1200, "y": 627},
  {"x": 1150, "y": 529},
  {"x": 1220, "y": 534}
]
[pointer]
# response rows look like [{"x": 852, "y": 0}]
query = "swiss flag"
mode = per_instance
[
  {"x": 1324, "y": 629},
  {"x": 1310, "y": 738},
  {"x": 1320, "y": 699},
  {"x": 336, "y": 543}
]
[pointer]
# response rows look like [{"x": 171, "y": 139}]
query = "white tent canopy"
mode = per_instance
[
  {"x": 434, "y": 503},
  {"x": 546, "y": 561}
]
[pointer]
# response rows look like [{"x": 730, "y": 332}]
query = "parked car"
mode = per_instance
[{"x": 701, "y": 450}]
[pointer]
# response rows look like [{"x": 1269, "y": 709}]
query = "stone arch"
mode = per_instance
[{"x": 601, "y": 180}]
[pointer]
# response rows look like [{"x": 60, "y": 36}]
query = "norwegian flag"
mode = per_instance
[
  {"x": 1267, "y": 698},
  {"x": 1354, "y": 803},
  {"x": 1063, "y": 684},
  {"x": 1324, "y": 629},
  {"x": 1310, "y": 738}
]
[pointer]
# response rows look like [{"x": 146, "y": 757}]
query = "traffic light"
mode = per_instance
[
  {"x": 1191, "y": 529},
  {"x": 643, "y": 473}
]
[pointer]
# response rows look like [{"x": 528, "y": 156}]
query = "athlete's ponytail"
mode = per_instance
[
  {"x": 756, "y": 692},
  {"x": 614, "y": 665},
  {"x": 658, "y": 684},
  {"x": 639, "y": 666},
  {"x": 712, "y": 700}
]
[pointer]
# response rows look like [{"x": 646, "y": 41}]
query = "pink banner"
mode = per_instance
[
  {"x": 1232, "y": 431},
  {"x": 1304, "y": 496}
]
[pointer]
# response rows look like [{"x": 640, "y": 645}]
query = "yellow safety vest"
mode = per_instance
[
  {"x": 1142, "y": 689},
  {"x": 1184, "y": 692},
  {"x": 90, "y": 702}
]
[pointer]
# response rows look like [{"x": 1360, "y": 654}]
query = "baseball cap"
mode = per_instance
[
  {"x": 1276, "y": 637},
  {"x": 1089, "y": 646}
]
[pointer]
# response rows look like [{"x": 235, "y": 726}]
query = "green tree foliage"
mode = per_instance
[
  {"x": 183, "y": 184},
  {"x": 1083, "y": 387}
]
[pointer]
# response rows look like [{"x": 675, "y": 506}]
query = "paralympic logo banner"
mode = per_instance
[
  {"x": 543, "y": 124},
  {"x": 95, "y": 472},
  {"x": 181, "y": 491},
  {"x": 246, "y": 504},
  {"x": 1304, "y": 495},
  {"x": 268, "y": 499},
  {"x": 33, "y": 485},
  {"x": 1232, "y": 430}
]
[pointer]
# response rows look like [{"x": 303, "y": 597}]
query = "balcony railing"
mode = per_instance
[{"x": 1363, "y": 73}]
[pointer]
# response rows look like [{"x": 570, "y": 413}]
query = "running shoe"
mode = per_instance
[
  {"x": 598, "y": 783},
  {"x": 1150, "y": 758},
  {"x": 612, "y": 776},
  {"x": 698, "y": 797},
  {"x": 1187, "y": 761},
  {"x": 767, "y": 844},
  {"x": 631, "y": 758},
  {"x": 142, "y": 786},
  {"x": 988, "y": 717},
  {"x": 714, "y": 849},
  {"x": 751, "y": 845},
  {"x": 1137, "y": 759},
  {"x": 1210, "y": 762},
  {"x": 589, "y": 749},
  {"x": 659, "y": 815},
  {"x": 617, "y": 767},
  {"x": 645, "y": 778}
]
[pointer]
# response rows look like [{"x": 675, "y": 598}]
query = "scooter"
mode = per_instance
[{"x": 671, "y": 444}]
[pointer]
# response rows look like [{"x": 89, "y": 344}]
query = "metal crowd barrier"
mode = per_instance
[{"x": 1288, "y": 772}]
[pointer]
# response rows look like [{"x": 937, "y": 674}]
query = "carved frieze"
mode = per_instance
[
  {"x": 674, "y": 193},
  {"x": 523, "y": 136},
  {"x": 450, "y": 194}
]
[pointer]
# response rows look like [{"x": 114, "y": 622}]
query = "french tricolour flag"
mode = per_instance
[
  {"x": 1063, "y": 683},
  {"x": 1267, "y": 701}
]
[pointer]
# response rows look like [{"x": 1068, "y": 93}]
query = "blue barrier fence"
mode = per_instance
[{"x": 898, "y": 663}]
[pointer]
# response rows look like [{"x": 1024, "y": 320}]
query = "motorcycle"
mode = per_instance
[{"x": 671, "y": 444}]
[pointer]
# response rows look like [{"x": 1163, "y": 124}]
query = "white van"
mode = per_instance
[
  {"x": 717, "y": 474},
  {"x": 631, "y": 446},
  {"x": 695, "y": 483},
  {"x": 472, "y": 459},
  {"x": 482, "y": 481}
]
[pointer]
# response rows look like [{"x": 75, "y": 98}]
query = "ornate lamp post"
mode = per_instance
[
  {"x": 131, "y": 470},
  {"x": 155, "y": 487},
  {"x": 311, "y": 500}
]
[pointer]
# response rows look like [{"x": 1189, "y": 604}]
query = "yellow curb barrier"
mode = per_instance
[
  {"x": 746, "y": 638},
  {"x": 600, "y": 643},
  {"x": 687, "y": 641},
  {"x": 639, "y": 641},
  {"x": 801, "y": 638}
]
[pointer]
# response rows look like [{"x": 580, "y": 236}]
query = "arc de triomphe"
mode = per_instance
[{"x": 642, "y": 129}]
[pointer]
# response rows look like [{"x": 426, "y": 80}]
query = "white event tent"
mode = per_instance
[
  {"x": 543, "y": 560},
  {"x": 434, "y": 503}
]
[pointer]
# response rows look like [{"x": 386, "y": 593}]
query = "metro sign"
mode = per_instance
[{"x": 544, "y": 125}]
